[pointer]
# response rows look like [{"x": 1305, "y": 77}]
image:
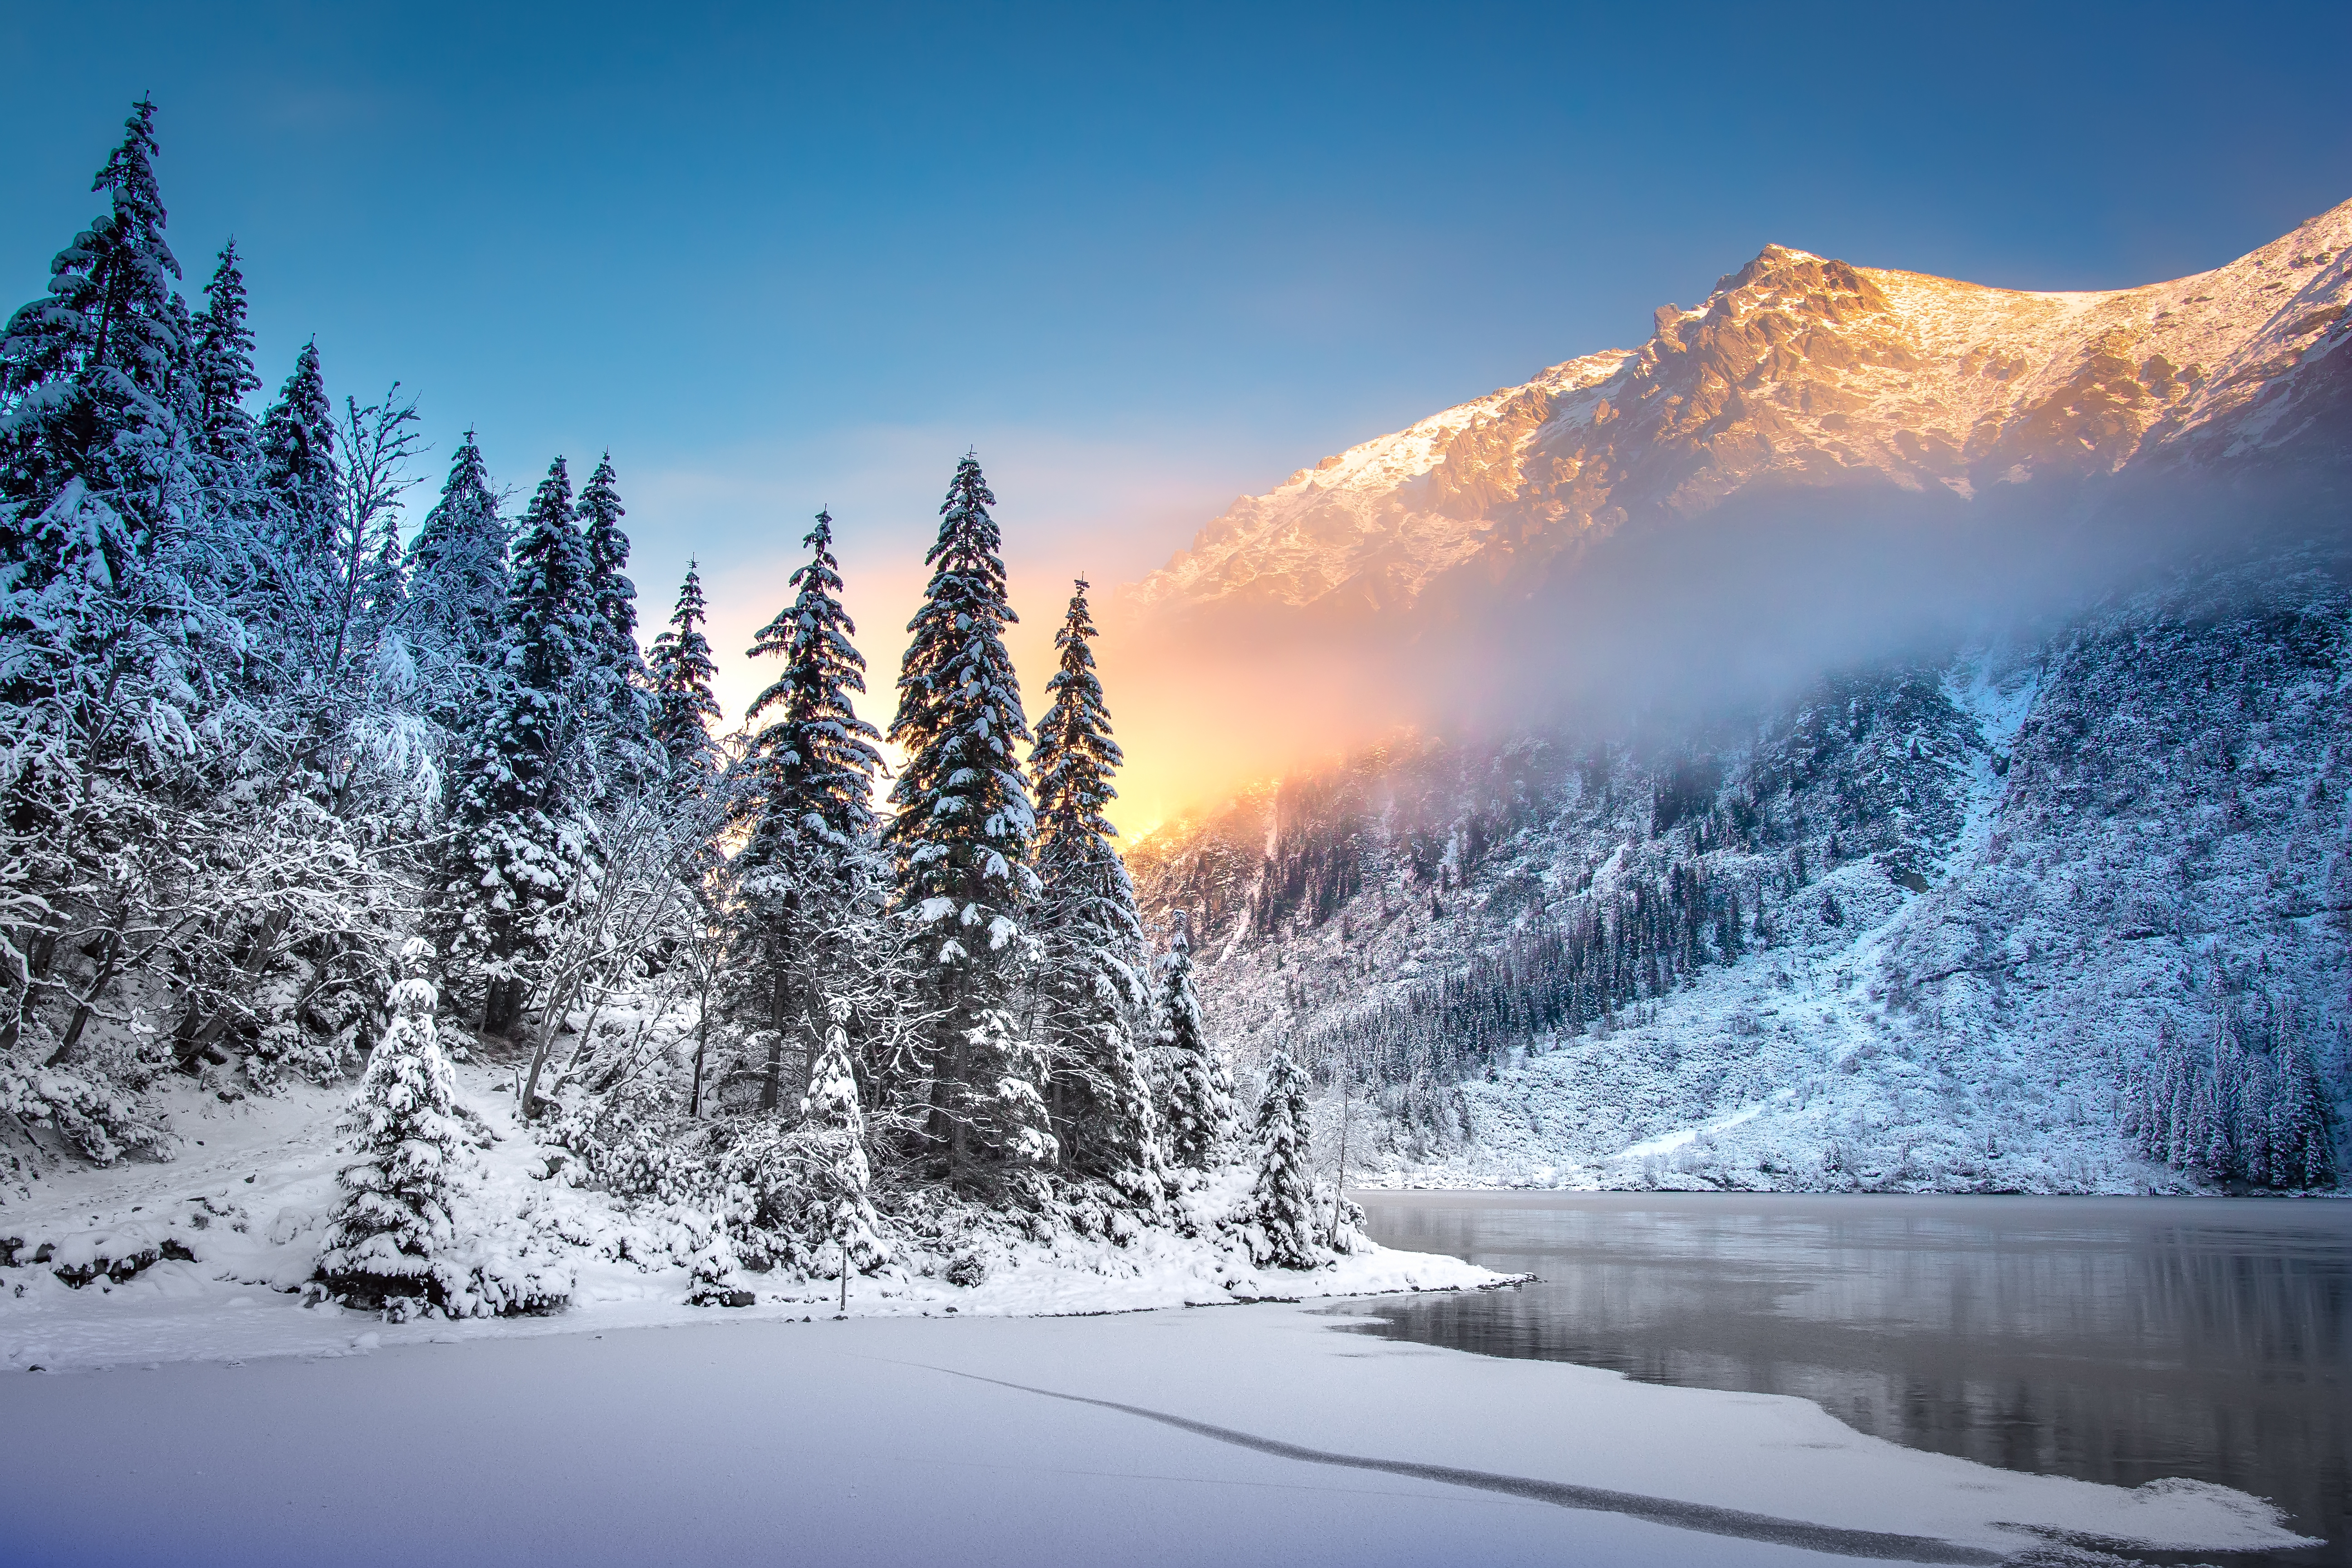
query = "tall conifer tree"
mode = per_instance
[
  {"x": 1091, "y": 982},
  {"x": 1282, "y": 1204},
  {"x": 298, "y": 471},
  {"x": 613, "y": 682},
  {"x": 808, "y": 780},
  {"x": 224, "y": 372},
  {"x": 88, "y": 373},
  {"x": 459, "y": 574},
  {"x": 681, "y": 669},
  {"x": 1198, "y": 1093},
  {"x": 521, "y": 845},
  {"x": 960, "y": 843}
]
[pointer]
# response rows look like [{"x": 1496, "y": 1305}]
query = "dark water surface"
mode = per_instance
[{"x": 2116, "y": 1340}]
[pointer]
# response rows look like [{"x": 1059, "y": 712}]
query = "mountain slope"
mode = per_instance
[{"x": 1925, "y": 929}]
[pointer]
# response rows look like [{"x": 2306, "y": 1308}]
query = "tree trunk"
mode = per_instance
[
  {"x": 701, "y": 1044},
  {"x": 538, "y": 1062},
  {"x": 959, "y": 1079},
  {"x": 195, "y": 1040},
  {"x": 110, "y": 954},
  {"x": 779, "y": 1006}
]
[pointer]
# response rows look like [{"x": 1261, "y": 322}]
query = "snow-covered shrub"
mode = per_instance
[
  {"x": 711, "y": 1265},
  {"x": 97, "y": 1112},
  {"x": 625, "y": 1147},
  {"x": 799, "y": 1196}
]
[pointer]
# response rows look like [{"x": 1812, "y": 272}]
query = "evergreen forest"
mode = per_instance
[{"x": 300, "y": 794}]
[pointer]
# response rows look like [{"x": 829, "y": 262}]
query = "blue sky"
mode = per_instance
[{"x": 1144, "y": 259}]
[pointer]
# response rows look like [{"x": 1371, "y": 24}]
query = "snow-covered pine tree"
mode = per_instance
[
  {"x": 88, "y": 373},
  {"x": 459, "y": 582},
  {"x": 828, "y": 758},
  {"x": 681, "y": 668},
  {"x": 1197, "y": 1097},
  {"x": 960, "y": 843},
  {"x": 299, "y": 472},
  {"x": 407, "y": 1237},
  {"x": 805, "y": 801},
  {"x": 1090, "y": 980},
  {"x": 387, "y": 1247},
  {"x": 800, "y": 1196},
  {"x": 521, "y": 842},
  {"x": 614, "y": 687},
  {"x": 225, "y": 433},
  {"x": 1281, "y": 1204}
]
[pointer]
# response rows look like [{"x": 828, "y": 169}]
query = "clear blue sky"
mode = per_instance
[{"x": 1144, "y": 258}]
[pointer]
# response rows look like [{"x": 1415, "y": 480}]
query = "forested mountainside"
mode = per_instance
[
  {"x": 1910, "y": 905},
  {"x": 2065, "y": 915}
]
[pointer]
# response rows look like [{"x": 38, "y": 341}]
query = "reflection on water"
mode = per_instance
[{"x": 2115, "y": 1340}]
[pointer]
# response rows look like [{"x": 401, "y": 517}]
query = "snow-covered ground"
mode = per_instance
[
  {"x": 1067, "y": 1408},
  {"x": 233, "y": 1227},
  {"x": 1251, "y": 1434}
]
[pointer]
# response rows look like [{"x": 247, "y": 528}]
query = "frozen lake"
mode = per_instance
[
  {"x": 2111, "y": 1339},
  {"x": 178, "y": 1423}
]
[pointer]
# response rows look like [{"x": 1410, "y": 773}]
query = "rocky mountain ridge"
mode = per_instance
[{"x": 1799, "y": 372}]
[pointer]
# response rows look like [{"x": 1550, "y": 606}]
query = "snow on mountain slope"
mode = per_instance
[
  {"x": 1963, "y": 928},
  {"x": 1804, "y": 371}
]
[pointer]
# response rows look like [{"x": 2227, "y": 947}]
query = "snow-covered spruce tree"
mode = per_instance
[
  {"x": 117, "y": 665},
  {"x": 396, "y": 1243},
  {"x": 88, "y": 373},
  {"x": 1197, "y": 1101},
  {"x": 520, "y": 843},
  {"x": 396, "y": 1220},
  {"x": 298, "y": 474},
  {"x": 225, "y": 433},
  {"x": 1281, "y": 1204},
  {"x": 1089, "y": 982},
  {"x": 458, "y": 583},
  {"x": 681, "y": 668},
  {"x": 803, "y": 796},
  {"x": 614, "y": 692},
  {"x": 959, "y": 848},
  {"x": 834, "y": 1174}
]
